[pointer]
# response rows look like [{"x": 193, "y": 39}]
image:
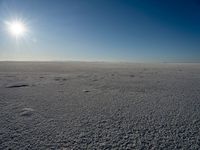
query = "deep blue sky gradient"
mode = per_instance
[{"x": 110, "y": 30}]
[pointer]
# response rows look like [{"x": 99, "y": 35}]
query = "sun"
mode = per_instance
[{"x": 17, "y": 28}]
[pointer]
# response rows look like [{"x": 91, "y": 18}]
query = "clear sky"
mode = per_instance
[{"x": 102, "y": 30}]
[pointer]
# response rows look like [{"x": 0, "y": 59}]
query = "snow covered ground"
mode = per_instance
[{"x": 76, "y": 105}]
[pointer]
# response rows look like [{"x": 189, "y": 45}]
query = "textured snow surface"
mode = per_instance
[{"x": 75, "y": 105}]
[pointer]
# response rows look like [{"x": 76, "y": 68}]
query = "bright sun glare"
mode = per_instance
[{"x": 17, "y": 28}]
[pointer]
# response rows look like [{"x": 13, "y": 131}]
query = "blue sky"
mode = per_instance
[{"x": 102, "y": 30}]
